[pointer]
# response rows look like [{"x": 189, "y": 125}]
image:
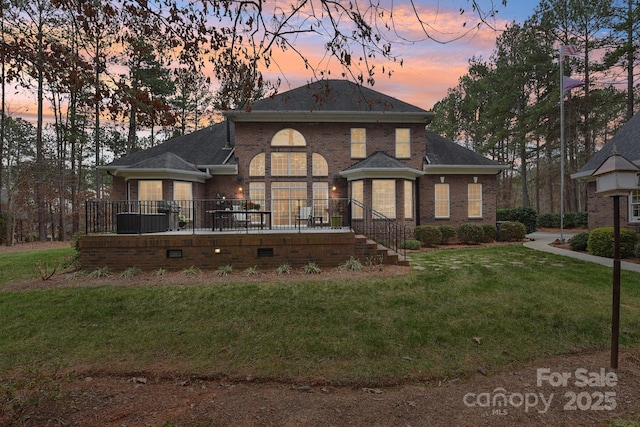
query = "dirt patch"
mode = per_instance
[
  {"x": 507, "y": 398},
  {"x": 83, "y": 397}
]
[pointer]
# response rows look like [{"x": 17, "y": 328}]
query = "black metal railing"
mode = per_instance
[
  {"x": 379, "y": 228},
  {"x": 152, "y": 216},
  {"x": 146, "y": 216}
]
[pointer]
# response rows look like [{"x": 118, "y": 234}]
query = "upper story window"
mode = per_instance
[
  {"x": 403, "y": 143},
  {"x": 288, "y": 138},
  {"x": 288, "y": 164},
  {"x": 474, "y": 192},
  {"x": 358, "y": 143},
  {"x": 257, "y": 166},
  {"x": 442, "y": 201},
  {"x": 319, "y": 165}
]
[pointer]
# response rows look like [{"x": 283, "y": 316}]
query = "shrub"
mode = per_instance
[
  {"x": 527, "y": 216},
  {"x": 512, "y": 231},
  {"x": 428, "y": 235},
  {"x": 131, "y": 272},
  {"x": 636, "y": 250},
  {"x": 224, "y": 270},
  {"x": 251, "y": 271},
  {"x": 579, "y": 242},
  {"x": 283, "y": 269},
  {"x": 582, "y": 219},
  {"x": 311, "y": 268},
  {"x": 470, "y": 233},
  {"x": 549, "y": 220},
  {"x": 353, "y": 264},
  {"x": 100, "y": 272},
  {"x": 490, "y": 233},
  {"x": 601, "y": 242},
  {"x": 570, "y": 220},
  {"x": 448, "y": 232},
  {"x": 411, "y": 244}
]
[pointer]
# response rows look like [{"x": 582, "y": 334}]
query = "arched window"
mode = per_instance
[
  {"x": 256, "y": 167},
  {"x": 288, "y": 138},
  {"x": 319, "y": 166}
]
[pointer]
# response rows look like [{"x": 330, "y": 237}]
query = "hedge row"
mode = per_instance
[
  {"x": 469, "y": 233},
  {"x": 526, "y": 216},
  {"x": 571, "y": 220}
]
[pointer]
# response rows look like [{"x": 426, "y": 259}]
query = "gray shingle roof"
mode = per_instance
[
  {"x": 204, "y": 147},
  {"x": 444, "y": 152},
  {"x": 379, "y": 160},
  {"x": 165, "y": 161},
  {"x": 333, "y": 95},
  {"x": 626, "y": 142}
]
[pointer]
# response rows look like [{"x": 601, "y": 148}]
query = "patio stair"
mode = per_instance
[{"x": 368, "y": 249}]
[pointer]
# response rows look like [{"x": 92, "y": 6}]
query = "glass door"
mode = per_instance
[{"x": 287, "y": 198}]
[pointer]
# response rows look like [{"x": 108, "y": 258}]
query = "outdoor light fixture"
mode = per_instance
[
  {"x": 616, "y": 177},
  {"x": 217, "y": 251}
]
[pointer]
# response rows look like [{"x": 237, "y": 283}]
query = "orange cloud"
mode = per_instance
[{"x": 429, "y": 68}]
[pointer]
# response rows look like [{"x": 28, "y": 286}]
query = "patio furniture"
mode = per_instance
[
  {"x": 134, "y": 223},
  {"x": 240, "y": 217},
  {"x": 172, "y": 211},
  {"x": 306, "y": 214},
  {"x": 237, "y": 218}
]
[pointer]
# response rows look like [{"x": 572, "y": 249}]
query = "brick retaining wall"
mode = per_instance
[{"x": 211, "y": 251}]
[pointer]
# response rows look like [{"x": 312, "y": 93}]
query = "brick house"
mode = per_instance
[
  {"x": 327, "y": 140},
  {"x": 599, "y": 207}
]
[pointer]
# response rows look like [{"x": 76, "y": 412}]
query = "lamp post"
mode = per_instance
[{"x": 616, "y": 177}]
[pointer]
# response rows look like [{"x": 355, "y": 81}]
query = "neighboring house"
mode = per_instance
[
  {"x": 625, "y": 142},
  {"x": 328, "y": 140}
]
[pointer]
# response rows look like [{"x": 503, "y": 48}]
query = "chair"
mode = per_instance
[
  {"x": 240, "y": 217},
  {"x": 305, "y": 215}
]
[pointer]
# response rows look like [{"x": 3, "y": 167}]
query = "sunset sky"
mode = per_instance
[{"x": 429, "y": 67}]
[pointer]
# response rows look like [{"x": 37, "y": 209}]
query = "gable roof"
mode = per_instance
[
  {"x": 626, "y": 142},
  {"x": 380, "y": 165},
  {"x": 331, "y": 101},
  {"x": 445, "y": 156},
  {"x": 209, "y": 149}
]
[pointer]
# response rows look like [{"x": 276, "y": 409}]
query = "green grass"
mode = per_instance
[
  {"x": 522, "y": 304},
  {"x": 16, "y": 266}
]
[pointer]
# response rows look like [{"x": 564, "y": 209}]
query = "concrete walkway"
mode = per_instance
[{"x": 541, "y": 241}]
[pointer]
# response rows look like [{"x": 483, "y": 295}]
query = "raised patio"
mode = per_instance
[{"x": 144, "y": 235}]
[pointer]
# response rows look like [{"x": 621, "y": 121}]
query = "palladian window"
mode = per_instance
[
  {"x": 319, "y": 165},
  {"x": 288, "y": 138},
  {"x": 289, "y": 164},
  {"x": 257, "y": 166}
]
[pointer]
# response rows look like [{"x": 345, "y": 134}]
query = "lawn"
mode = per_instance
[{"x": 486, "y": 307}]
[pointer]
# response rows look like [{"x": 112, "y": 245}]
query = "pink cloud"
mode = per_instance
[{"x": 429, "y": 68}]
